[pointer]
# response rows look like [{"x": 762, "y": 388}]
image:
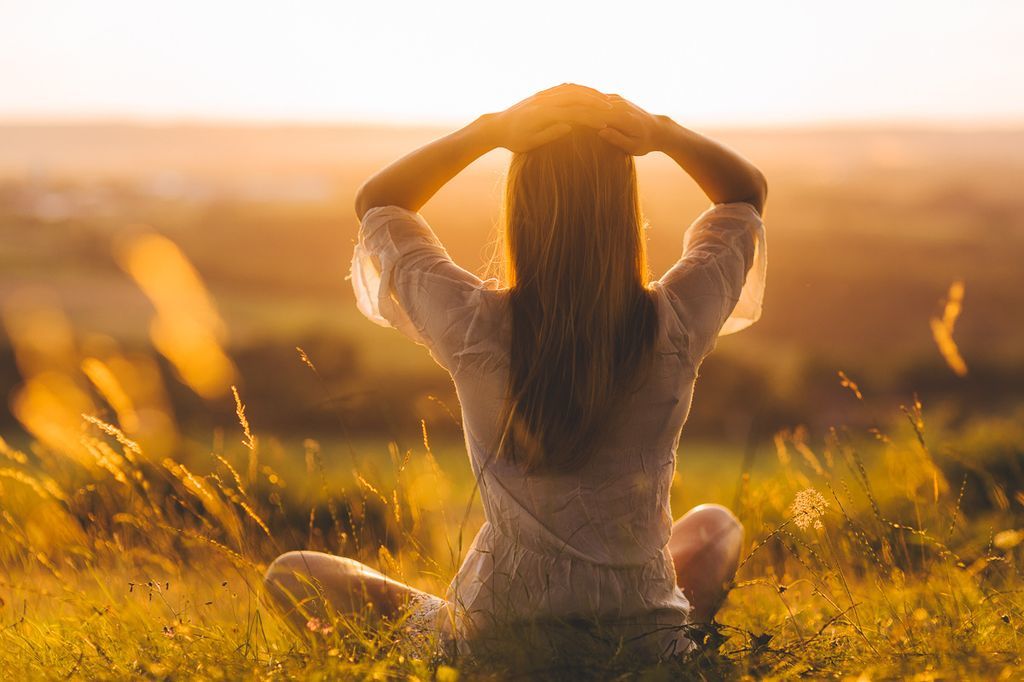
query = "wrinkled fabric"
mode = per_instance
[{"x": 592, "y": 544}]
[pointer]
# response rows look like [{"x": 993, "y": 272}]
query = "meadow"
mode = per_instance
[
  {"x": 147, "y": 478},
  {"x": 866, "y": 558}
]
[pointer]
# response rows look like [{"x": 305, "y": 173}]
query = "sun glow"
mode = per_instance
[
  {"x": 733, "y": 62},
  {"x": 187, "y": 329}
]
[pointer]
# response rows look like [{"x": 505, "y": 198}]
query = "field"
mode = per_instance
[{"x": 133, "y": 539}]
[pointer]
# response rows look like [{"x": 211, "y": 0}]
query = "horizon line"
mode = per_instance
[{"x": 190, "y": 121}]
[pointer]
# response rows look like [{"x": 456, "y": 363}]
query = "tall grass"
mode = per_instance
[{"x": 864, "y": 559}]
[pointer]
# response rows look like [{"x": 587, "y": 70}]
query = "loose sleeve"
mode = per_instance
[
  {"x": 717, "y": 286},
  {"x": 404, "y": 278}
]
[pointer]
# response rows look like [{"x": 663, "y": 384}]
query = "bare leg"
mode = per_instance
[
  {"x": 305, "y": 585},
  {"x": 705, "y": 545}
]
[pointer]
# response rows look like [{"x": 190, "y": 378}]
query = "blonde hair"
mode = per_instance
[{"x": 583, "y": 322}]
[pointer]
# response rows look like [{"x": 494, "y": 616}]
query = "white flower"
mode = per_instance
[{"x": 808, "y": 507}]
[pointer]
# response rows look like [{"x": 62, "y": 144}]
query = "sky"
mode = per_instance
[{"x": 718, "y": 61}]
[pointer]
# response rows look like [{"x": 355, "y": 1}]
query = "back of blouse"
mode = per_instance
[{"x": 614, "y": 512}]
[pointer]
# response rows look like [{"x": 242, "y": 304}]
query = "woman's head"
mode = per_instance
[{"x": 582, "y": 320}]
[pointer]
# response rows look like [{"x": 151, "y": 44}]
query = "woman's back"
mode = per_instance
[
  {"x": 614, "y": 509},
  {"x": 589, "y": 543}
]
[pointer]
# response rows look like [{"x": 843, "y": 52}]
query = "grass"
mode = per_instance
[{"x": 864, "y": 559}]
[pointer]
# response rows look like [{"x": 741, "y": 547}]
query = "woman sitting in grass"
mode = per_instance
[{"x": 575, "y": 376}]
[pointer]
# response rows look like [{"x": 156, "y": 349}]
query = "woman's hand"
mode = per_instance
[
  {"x": 413, "y": 179},
  {"x": 630, "y": 128},
  {"x": 724, "y": 175},
  {"x": 549, "y": 115}
]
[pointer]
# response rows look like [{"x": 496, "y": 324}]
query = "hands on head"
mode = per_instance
[
  {"x": 551, "y": 114},
  {"x": 410, "y": 182}
]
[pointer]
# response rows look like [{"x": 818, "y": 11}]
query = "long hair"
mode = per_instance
[{"x": 583, "y": 322}]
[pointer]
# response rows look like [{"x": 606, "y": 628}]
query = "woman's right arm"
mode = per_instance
[
  {"x": 717, "y": 286},
  {"x": 724, "y": 175}
]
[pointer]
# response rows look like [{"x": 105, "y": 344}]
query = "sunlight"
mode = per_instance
[
  {"x": 187, "y": 329},
  {"x": 721, "y": 62},
  {"x": 213, "y": 464}
]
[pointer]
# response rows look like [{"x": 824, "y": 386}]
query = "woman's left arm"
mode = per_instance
[{"x": 412, "y": 180}]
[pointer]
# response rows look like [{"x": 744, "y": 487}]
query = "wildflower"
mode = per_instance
[
  {"x": 317, "y": 625},
  {"x": 808, "y": 507}
]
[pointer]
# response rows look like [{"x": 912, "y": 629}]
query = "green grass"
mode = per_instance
[{"x": 122, "y": 567}]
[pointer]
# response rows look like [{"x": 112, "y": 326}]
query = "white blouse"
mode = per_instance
[{"x": 591, "y": 544}]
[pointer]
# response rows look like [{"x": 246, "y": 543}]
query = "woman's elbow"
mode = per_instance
[
  {"x": 363, "y": 202},
  {"x": 759, "y": 193}
]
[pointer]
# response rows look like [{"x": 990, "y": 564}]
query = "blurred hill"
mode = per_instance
[{"x": 867, "y": 229}]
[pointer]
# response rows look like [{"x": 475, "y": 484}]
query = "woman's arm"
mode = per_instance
[
  {"x": 724, "y": 175},
  {"x": 413, "y": 179},
  {"x": 537, "y": 120}
]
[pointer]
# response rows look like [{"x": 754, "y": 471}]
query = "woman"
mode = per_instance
[{"x": 575, "y": 377}]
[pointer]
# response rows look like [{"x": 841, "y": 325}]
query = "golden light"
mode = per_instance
[
  {"x": 41, "y": 335},
  {"x": 942, "y": 329},
  {"x": 110, "y": 388},
  {"x": 50, "y": 402},
  {"x": 187, "y": 329},
  {"x": 712, "y": 62},
  {"x": 131, "y": 384},
  {"x": 50, "y": 406}
]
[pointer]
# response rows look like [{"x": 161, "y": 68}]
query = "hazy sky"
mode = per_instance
[{"x": 716, "y": 61}]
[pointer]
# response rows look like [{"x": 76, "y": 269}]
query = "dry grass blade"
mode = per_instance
[
  {"x": 250, "y": 440},
  {"x": 942, "y": 329},
  {"x": 129, "y": 445}
]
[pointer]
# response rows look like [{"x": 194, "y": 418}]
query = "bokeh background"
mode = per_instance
[{"x": 176, "y": 191}]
